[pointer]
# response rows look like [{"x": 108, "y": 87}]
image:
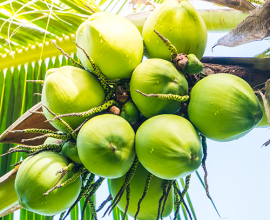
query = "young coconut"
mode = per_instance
[
  {"x": 223, "y": 107},
  {"x": 159, "y": 77},
  {"x": 130, "y": 112},
  {"x": 178, "y": 21},
  {"x": 67, "y": 90},
  {"x": 264, "y": 122},
  {"x": 36, "y": 176},
  {"x": 70, "y": 150},
  {"x": 106, "y": 146},
  {"x": 168, "y": 146},
  {"x": 113, "y": 42},
  {"x": 150, "y": 203}
]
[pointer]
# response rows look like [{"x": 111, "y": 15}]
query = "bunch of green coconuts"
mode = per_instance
[{"x": 144, "y": 145}]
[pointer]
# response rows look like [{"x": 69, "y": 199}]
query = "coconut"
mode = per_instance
[
  {"x": 130, "y": 112},
  {"x": 179, "y": 22},
  {"x": 70, "y": 150},
  {"x": 113, "y": 42},
  {"x": 149, "y": 205},
  {"x": 168, "y": 146},
  {"x": 67, "y": 90},
  {"x": 223, "y": 107},
  {"x": 159, "y": 77},
  {"x": 106, "y": 146},
  {"x": 36, "y": 176}
]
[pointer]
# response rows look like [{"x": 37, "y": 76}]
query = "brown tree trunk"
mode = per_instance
[{"x": 256, "y": 78}]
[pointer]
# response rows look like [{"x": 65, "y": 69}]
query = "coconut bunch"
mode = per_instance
[{"x": 140, "y": 124}]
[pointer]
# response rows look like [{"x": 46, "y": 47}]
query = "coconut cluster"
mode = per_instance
[{"x": 131, "y": 121}]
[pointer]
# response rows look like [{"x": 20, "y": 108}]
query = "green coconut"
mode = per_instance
[
  {"x": 113, "y": 42},
  {"x": 179, "y": 22},
  {"x": 223, "y": 107},
  {"x": 149, "y": 205},
  {"x": 194, "y": 65},
  {"x": 36, "y": 176},
  {"x": 106, "y": 146},
  {"x": 168, "y": 146},
  {"x": 70, "y": 150},
  {"x": 130, "y": 112},
  {"x": 159, "y": 77},
  {"x": 68, "y": 90},
  {"x": 263, "y": 123}
]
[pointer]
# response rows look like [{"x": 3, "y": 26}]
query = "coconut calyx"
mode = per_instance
[{"x": 180, "y": 61}]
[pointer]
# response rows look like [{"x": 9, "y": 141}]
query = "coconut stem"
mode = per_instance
[
  {"x": 110, "y": 93},
  {"x": 92, "y": 190},
  {"x": 74, "y": 62},
  {"x": 36, "y": 81},
  {"x": 65, "y": 137},
  {"x": 164, "y": 189},
  {"x": 93, "y": 209},
  {"x": 65, "y": 124},
  {"x": 146, "y": 187},
  {"x": 177, "y": 203},
  {"x": 204, "y": 145},
  {"x": 127, "y": 198},
  {"x": 62, "y": 215},
  {"x": 34, "y": 149},
  {"x": 34, "y": 130},
  {"x": 171, "y": 47},
  {"x": 87, "y": 113},
  {"x": 104, "y": 202},
  {"x": 181, "y": 198},
  {"x": 68, "y": 181},
  {"x": 166, "y": 196},
  {"x": 83, "y": 192},
  {"x": 177, "y": 98},
  {"x": 96, "y": 71},
  {"x": 128, "y": 178}
]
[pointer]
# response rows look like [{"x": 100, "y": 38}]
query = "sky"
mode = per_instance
[{"x": 238, "y": 171}]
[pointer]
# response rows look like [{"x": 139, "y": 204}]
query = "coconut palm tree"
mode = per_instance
[{"x": 27, "y": 29}]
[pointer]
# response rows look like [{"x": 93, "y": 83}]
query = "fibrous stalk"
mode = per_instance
[
  {"x": 36, "y": 81},
  {"x": 94, "y": 187},
  {"x": 171, "y": 47},
  {"x": 83, "y": 192},
  {"x": 87, "y": 113},
  {"x": 33, "y": 149},
  {"x": 109, "y": 198},
  {"x": 65, "y": 137},
  {"x": 204, "y": 145},
  {"x": 66, "y": 125},
  {"x": 68, "y": 181},
  {"x": 177, "y": 98},
  {"x": 164, "y": 189},
  {"x": 166, "y": 196},
  {"x": 128, "y": 178},
  {"x": 181, "y": 198},
  {"x": 96, "y": 71},
  {"x": 146, "y": 187},
  {"x": 127, "y": 198},
  {"x": 74, "y": 62},
  {"x": 34, "y": 130}
]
